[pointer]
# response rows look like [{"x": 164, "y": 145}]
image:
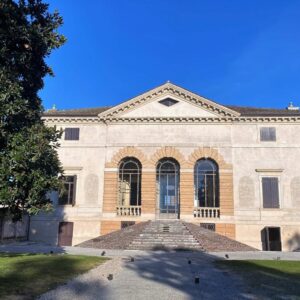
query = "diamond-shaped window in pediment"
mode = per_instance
[{"x": 168, "y": 101}]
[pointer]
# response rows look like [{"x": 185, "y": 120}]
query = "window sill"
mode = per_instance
[{"x": 271, "y": 209}]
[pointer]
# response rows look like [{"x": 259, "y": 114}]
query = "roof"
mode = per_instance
[
  {"x": 169, "y": 89},
  {"x": 81, "y": 112},
  {"x": 245, "y": 111}
]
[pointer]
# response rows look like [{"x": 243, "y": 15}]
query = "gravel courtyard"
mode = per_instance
[{"x": 160, "y": 275}]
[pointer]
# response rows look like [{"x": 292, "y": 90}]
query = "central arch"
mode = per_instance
[{"x": 167, "y": 188}]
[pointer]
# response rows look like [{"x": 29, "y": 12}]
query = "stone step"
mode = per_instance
[
  {"x": 165, "y": 234},
  {"x": 151, "y": 247},
  {"x": 166, "y": 244},
  {"x": 165, "y": 240},
  {"x": 162, "y": 240}
]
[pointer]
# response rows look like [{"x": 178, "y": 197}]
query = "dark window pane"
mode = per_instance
[
  {"x": 68, "y": 196},
  {"x": 272, "y": 133},
  {"x": 210, "y": 187},
  {"x": 270, "y": 192},
  {"x": 206, "y": 181},
  {"x": 168, "y": 102},
  {"x": 71, "y": 134},
  {"x": 268, "y": 134},
  {"x": 129, "y": 182},
  {"x": 209, "y": 226}
]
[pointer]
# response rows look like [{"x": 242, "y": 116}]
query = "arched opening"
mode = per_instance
[
  {"x": 167, "y": 182},
  {"x": 129, "y": 187},
  {"x": 206, "y": 183}
]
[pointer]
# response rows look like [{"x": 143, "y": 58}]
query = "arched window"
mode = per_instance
[
  {"x": 129, "y": 182},
  {"x": 167, "y": 178},
  {"x": 206, "y": 180}
]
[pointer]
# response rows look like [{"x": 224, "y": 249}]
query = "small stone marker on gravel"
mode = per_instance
[{"x": 110, "y": 277}]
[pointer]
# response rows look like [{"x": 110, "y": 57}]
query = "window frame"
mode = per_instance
[
  {"x": 131, "y": 172},
  {"x": 268, "y": 140},
  {"x": 72, "y": 139},
  {"x": 74, "y": 183},
  {"x": 216, "y": 183},
  {"x": 278, "y": 176}
]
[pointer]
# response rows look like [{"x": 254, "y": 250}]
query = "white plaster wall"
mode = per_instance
[
  {"x": 180, "y": 135},
  {"x": 283, "y": 156},
  {"x": 238, "y": 144}
]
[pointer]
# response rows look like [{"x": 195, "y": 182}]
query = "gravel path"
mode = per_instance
[
  {"x": 159, "y": 275},
  {"x": 87, "y": 286}
]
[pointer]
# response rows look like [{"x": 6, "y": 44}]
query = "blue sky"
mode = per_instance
[{"x": 234, "y": 52}]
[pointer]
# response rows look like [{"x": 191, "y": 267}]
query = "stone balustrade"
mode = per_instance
[
  {"x": 130, "y": 210},
  {"x": 207, "y": 212}
]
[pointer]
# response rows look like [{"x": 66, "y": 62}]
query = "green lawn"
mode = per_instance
[
  {"x": 268, "y": 278},
  {"x": 24, "y": 276}
]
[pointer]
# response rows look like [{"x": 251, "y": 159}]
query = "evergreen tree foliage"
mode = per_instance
[{"x": 29, "y": 164}]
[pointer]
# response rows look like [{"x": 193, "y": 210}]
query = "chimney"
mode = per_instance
[{"x": 292, "y": 107}]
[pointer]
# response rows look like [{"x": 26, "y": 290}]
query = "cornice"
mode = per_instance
[
  {"x": 181, "y": 120},
  {"x": 59, "y": 119}
]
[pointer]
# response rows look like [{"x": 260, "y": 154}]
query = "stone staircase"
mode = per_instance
[{"x": 164, "y": 234}]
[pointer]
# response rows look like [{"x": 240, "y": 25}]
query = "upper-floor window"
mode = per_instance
[
  {"x": 69, "y": 193},
  {"x": 270, "y": 192},
  {"x": 267, "y": 134},
  {"x": 72, "y": 134},
  {"x": 168, "y": 101}
]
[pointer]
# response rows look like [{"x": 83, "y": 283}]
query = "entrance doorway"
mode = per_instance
[
  {"x": 167, "y": 182},
  {"x": 65, "y": 233},
  {"x": 271, "y": 239}
]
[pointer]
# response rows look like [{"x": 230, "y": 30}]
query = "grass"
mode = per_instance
[
  {"x": 24, "y": 276},
  {"x": 268, "y": 278}
]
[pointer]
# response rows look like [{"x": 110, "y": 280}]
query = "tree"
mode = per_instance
[{"x": 29, "y": 164}]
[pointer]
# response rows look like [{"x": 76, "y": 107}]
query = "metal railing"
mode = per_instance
[
  {"x": 131, "y": 210},
  {"x": 207, "y": 212}
]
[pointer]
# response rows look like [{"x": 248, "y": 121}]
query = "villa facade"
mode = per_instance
[{"x": 172, "y": 154}]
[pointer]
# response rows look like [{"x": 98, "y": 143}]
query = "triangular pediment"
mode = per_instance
[{"x": 168, "y": 100}]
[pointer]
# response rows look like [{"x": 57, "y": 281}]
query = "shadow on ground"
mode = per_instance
[{"x": 173, "y": 275}]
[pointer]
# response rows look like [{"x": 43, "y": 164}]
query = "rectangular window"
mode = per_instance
[
  {"x": 72, "y": 134},
  {"x": 125, "y": 224},
  {"x": 270, "y": 191},
  {"x": 68, "y": 196},
  {"x": 209, "y": 226},
  {"x": 268, "y": 134}
]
